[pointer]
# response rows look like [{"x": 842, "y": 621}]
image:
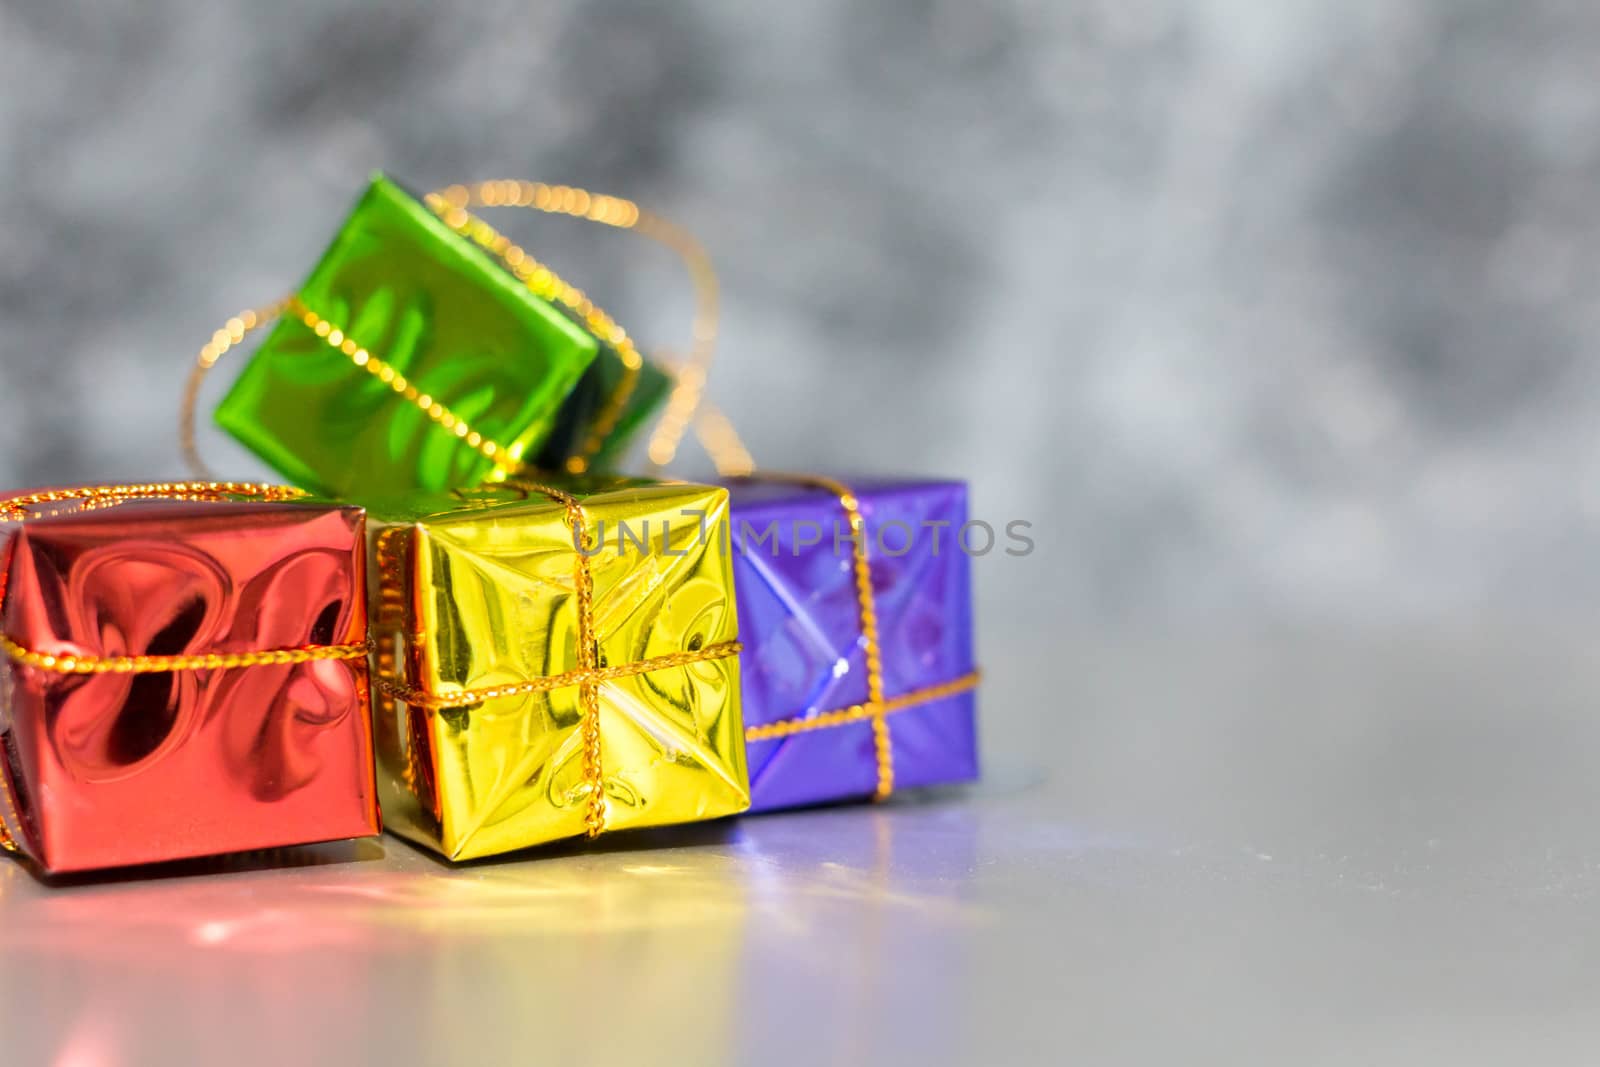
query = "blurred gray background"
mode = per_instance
[
  {"x": 1269, "y": 315},
  {"x": 1260, "y": 312}
]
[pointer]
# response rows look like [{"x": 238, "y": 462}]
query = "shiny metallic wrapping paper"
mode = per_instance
[
  {"x": 476, "y": 590},
  {"x": 804, "y": 654},
  {"x": 116, "y": 769},
  {"x": 437, "y": 309}
]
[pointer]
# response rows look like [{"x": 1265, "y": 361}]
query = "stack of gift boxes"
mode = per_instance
[{"x": 459, "y": 622}]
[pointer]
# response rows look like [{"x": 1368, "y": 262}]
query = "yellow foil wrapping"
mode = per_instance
[{"x": 518, "y": 673}]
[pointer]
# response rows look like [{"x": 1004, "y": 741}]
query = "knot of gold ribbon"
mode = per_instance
[
  {"x": 588, "y": 676},
  {"x": 877, "y": 706},
  {"x": 23, "y": 508}
]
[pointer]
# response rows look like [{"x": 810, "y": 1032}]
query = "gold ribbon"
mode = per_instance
[
  {"x": 588, "y": 676},
  {"x": 7, "y": 793},
  {"x": 19, "y": 508},
  {"x": 87, "y": 498},
  {"x": 215, "y": 661},
  {"x": 338, "y": 339},
  {"x": 877, "y": 707},
  {"x": 463, "y": 698}
]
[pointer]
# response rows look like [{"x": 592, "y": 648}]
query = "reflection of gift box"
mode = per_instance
[
  {"x": 549, "y": 691},
  {"x": 182, "y": 678},
  {"x": 858, "y": 669},
  {"x": 412, "y": 357}
]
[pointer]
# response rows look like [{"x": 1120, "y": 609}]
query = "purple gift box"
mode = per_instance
[{"x": 813, "y": 734}]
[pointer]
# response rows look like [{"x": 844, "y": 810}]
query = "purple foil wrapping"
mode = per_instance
[{"x": 804, "y": 652}]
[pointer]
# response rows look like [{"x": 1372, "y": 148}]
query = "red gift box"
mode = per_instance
[{"x": 181, "y": 677}]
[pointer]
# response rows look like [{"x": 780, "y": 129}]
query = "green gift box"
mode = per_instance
[{"x": 414, "y": 357}]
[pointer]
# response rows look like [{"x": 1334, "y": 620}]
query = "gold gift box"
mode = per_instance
[{"x": 555, "y": 661}]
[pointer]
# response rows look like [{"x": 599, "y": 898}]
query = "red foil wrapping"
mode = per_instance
[{"x": 106, "y": 770}]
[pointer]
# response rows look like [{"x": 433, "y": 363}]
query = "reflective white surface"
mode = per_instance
[{"x": 1308, "y": 850}]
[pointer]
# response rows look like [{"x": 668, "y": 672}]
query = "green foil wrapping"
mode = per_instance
[{"x": 439, "y": 310}]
